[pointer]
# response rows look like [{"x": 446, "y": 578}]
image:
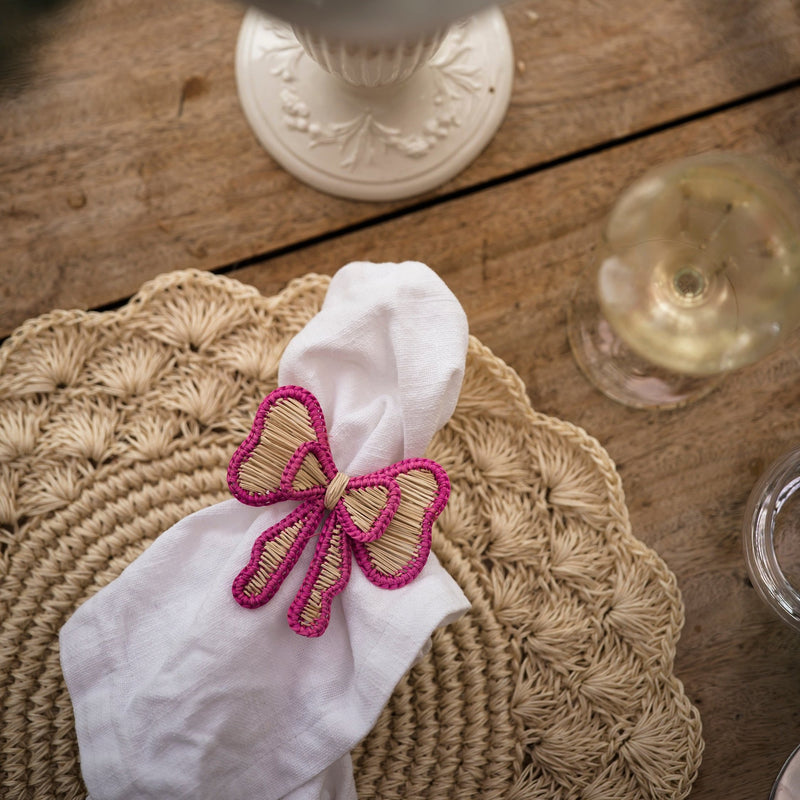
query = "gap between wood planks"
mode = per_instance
[{"x": 431, "y": 202}]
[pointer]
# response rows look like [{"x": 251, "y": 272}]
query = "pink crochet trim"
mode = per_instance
[{"x": 286, "y": 456}]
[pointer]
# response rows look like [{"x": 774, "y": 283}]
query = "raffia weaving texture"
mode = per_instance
[{"x": 557, "y": 684}]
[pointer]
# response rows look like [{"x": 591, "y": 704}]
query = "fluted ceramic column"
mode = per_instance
[{"x": 369, "y": 65}]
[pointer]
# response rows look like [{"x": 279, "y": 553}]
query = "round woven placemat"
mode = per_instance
[{"x": 557, "y": 684}]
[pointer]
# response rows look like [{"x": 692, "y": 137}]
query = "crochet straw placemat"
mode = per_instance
[{"x": 557, "y": 684}]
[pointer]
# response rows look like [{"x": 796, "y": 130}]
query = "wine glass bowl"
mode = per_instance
[{"x": 697, "y": 273}]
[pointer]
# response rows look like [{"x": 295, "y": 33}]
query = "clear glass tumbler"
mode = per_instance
[
  {"x": 771, "y": 532},
  {"x": 787, "y": 784}
]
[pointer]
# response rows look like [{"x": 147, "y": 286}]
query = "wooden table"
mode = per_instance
[{"x": 124, "y": 154}]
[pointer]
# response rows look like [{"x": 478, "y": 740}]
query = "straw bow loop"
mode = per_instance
[{"x": 383, "y": 519}]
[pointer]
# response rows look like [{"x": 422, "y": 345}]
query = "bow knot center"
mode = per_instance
[{"x": 335, "y": 490}]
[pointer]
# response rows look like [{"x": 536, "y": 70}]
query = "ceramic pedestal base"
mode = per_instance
[{"x": 380, "y": 143}]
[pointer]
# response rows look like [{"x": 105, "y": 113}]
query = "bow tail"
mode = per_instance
[
  {"x": 274, "y": 554},
  {"x": 328, "y": 574}
]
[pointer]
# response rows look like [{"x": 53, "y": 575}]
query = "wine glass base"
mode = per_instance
[
  {"x": 382, "y": 143},
  {"x": 619, "y": 372}
]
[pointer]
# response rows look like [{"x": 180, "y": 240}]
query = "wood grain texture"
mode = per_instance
[
  {"x": 124, "y": 153},
  {"x": 511, "y": 255}
]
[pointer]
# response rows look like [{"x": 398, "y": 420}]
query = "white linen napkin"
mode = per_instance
[{"x": 178, "y": 691}]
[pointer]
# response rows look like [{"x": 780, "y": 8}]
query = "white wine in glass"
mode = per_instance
[{"x": 697, "y": 273}]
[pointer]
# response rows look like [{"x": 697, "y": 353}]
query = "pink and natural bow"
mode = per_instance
[{"x": 382, "y": 519}]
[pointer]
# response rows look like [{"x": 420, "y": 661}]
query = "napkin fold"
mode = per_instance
[{"x": 178, "y": 691}]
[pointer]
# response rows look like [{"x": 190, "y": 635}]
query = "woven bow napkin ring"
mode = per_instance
[{"x": 382, "y": 519}]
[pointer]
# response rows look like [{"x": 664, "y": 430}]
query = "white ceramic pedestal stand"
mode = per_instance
[{"x": 376, "y": 123}]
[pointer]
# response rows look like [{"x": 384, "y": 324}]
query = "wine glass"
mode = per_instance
[{"x": 697, "y": 273}]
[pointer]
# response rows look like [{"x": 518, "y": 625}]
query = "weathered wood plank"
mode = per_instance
[
  {"x": 511, "y": 255},
  {"x": 124, "y": 152}
]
